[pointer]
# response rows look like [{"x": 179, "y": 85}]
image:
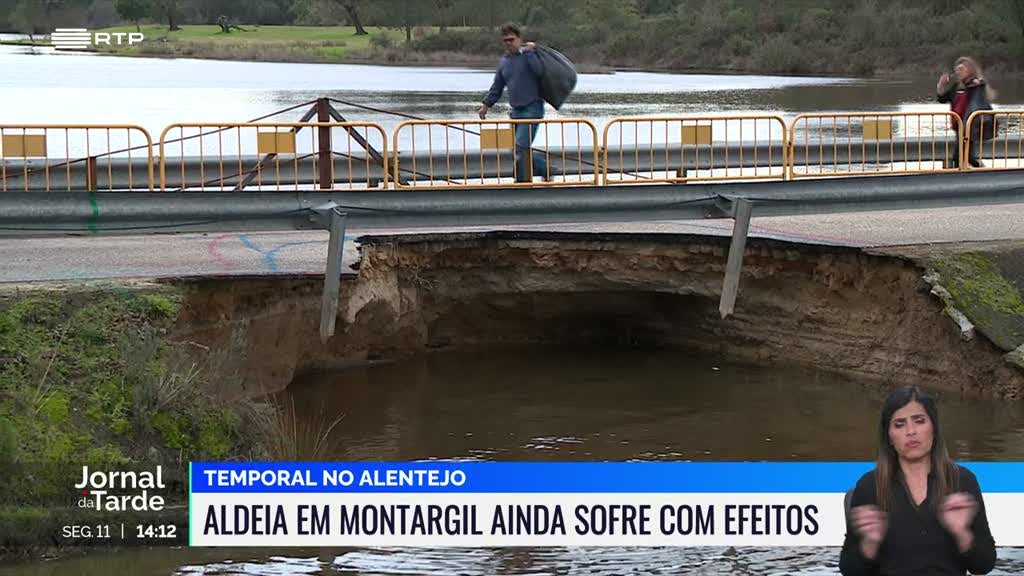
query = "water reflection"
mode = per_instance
[
  {"x": 577, "y": 405},
  {"x": 529, "y": 404},
  {"x": 609, "y": 561}
]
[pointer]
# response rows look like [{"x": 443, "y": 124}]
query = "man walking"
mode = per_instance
[{"x": 520, "y": 69}]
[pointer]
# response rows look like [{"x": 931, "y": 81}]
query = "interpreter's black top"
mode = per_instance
[{"x": 916, "y": 542}]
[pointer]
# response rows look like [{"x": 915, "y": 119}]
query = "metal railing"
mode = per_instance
[
  {"x": 273, "y": 156},
  {"x": 646, "y": 150},
  {"x": 495, "y": 153},
  {"x": 429, "y": 154},
  {"x": 50, "y": 157},
  {"x": 994, "y": 139},
  {"x": 873, "y": 143}
]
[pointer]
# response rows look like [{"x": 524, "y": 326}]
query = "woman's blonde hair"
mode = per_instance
[{"x": 975, "y": 69}]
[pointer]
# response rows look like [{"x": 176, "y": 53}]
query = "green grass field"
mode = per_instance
[
  {"x": 270, "y": 34},
  {"x": 255, "y": 42},
  {"x": 213, "y": 33},
  {"x": 261, "y": 43}
]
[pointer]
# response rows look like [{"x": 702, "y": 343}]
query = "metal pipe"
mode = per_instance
[{"x": 741, "y": 212}]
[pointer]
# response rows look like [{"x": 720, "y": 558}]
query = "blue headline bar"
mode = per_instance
[{"x": 543, "y": 477}]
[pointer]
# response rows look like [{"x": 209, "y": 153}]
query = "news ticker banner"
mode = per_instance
[{"x": 487, "y": 504}]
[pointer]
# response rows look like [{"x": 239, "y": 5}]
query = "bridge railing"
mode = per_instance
[
  {"x": 49, "y": 157},
  {"x": 873, "y": 143},
  {"x": 483, "y": 153},
  {"x": 644, "y": 150},
  {"x": 276, "y": 156},
  {"x": 494, "y": 153},
  {"x": 997, "y": 139}
]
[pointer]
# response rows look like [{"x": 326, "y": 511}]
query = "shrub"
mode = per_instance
[{"x": 381, "y": 40}]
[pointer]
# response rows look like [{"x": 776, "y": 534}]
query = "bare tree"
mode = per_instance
[
  {"x": 134, "y": 10},
  {"x": 352, "y": 9},
  {"x": 443, "y": 9},
  {"x": 34, "y": 17},
  {"x": 225, "y": 24},
  {"x": 169, "y": 9}
]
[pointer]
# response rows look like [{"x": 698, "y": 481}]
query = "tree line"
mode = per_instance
[
  {"x": 40, "y": 16},
  {"x": 789, "y": 36}
]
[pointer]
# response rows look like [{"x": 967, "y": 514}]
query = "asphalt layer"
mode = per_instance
[{"x": 289, "y": 253}]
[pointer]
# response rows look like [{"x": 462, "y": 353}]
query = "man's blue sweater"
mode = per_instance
[{"x": 521, "y": 73}]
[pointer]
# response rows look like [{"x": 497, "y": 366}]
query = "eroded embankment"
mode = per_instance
[
  {"x": 840, "y": 309},
  {"x": 131, "y": 373}
]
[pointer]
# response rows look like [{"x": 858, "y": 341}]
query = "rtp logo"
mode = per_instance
[{"x": 82, "y": 39}]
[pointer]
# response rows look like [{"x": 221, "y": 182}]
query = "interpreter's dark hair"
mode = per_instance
[
  {"x": 511, "y": 29},
  {"x": 888, "y": 471}
]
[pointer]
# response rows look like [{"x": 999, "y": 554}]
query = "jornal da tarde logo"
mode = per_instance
[{"x": 121, "y": 490}]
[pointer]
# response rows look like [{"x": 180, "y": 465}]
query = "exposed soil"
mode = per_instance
[{"x": 865, "y": 315}]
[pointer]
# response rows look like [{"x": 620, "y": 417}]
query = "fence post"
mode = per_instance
[
  {"x": 323, "y": 114},
  {"x": 741, "y": 211},
  {"x": 90, "y": 174}
]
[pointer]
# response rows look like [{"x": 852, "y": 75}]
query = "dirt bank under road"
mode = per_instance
[
  {"x": 180, "y": 370},
  {"x": 871, "y": 316},
  {"x": 138, "y": 369}
]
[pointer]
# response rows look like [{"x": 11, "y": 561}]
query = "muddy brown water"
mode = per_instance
[{"x": 531, "y": 404}]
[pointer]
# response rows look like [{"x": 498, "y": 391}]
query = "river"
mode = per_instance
[
  {"x": 523, "y": 404},
  {"x": 38, "y": 85},
  {"x": 517, "y": 404}
]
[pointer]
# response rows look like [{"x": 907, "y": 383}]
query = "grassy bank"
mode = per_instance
[
  {"x": 91, "y": 375},
  {"x": 796, "y": 37},
  {"x": 815, "y": 42},
  {"x": 312, "y": 44},
  {"x": 86, "y": 374},
  {"x": 457, "y": 46},
  {"x": 255, "y": 43},
  {"x": 984, "y": 290}
]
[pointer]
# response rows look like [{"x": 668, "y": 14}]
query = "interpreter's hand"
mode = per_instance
[
  {"x": 870, "y": 524},
  {"x": 956, "y": 515},
  {"x": 483, "y": 111},
  {"x": 530, "y": 45},
  {"x": 943, "y": 82}
]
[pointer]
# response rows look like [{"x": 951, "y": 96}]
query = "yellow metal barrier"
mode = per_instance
[
  {"x": 277, "y": 156},
  {"x": 995, "y": 139},
  {"x": 873, "y": 143},
  {"x": 75, "y": 157},
  {"x": 645, "y": 150},
  {"x": 484, "y": 154}
]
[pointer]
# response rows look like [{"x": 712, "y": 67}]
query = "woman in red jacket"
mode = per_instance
[{"x": 968, "y": 94}]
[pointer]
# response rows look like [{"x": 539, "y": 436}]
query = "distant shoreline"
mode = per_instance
[
  {"x": 339, "y": 45},
  {"x": 469, "y": 47},
  {"x": 416, "y": 59}
]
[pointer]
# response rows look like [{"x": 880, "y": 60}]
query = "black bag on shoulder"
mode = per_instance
[{"x": 559, "y": 77}]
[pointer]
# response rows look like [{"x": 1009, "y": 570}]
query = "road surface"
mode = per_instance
[{"x": 160, "y": 256}]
